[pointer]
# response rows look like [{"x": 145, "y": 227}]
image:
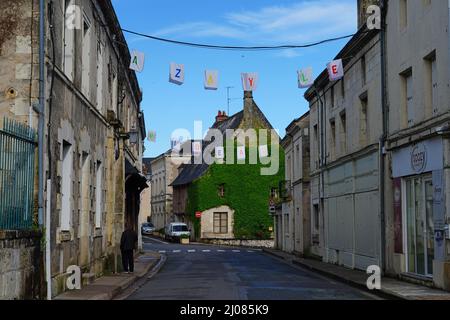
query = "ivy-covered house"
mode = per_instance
[{"x": 227, "y": 200}]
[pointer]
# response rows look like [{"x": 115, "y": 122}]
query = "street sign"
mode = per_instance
[{"x": 198, "y": 214}]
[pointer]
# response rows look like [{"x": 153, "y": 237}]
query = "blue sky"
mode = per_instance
[{"x": 168, "y": 107}]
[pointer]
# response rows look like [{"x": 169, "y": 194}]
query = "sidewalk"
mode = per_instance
[
  {"x": 108, "y": 287},
  {"x": 390, "y": 287}
]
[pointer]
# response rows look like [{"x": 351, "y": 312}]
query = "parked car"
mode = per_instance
[
  {"x": 174, "y": 231},
  {"x": 148, "y": 228}
]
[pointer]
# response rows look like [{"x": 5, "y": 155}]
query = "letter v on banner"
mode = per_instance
[{"x": 249, "y": 81}]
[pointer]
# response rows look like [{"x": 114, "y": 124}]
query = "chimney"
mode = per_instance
[{"x": 221, "y": 116}]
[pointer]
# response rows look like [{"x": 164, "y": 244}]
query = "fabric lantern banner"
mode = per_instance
[
  {"x": 305, "y": 78},
  {"x": 211, "y": 79},
  {"x": 220, "y": 153},
  {"x": 152, "y": 136},
  {"x": 335, "y": 70},
  {"x": 176, "y": 73},
  {"x": 241, "y": 153},
  {"x": 263, "y": 151},
  {"x": 249, "y": 81},
  {"x": 137, "y": 61}
]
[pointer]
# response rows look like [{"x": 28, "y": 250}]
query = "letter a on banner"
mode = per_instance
[
  {"x": 211, "y": 79},
  {"x": 176, "y": 73},
  {"x": 335, "y": 70},
  {"x": 305, "y": 78},
  {"x": 249, "y": 81},
  {"x": 137, "y": 61}
]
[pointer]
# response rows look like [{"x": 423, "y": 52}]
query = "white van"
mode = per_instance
[{"x": 175, "y": 230}]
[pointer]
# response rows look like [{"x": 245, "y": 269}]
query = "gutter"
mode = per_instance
[{"x": 383, "y": 138}]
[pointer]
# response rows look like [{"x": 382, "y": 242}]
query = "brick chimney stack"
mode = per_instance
[{"x": 221, "y": 116}]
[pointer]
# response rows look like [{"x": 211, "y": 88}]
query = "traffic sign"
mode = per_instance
[{"x": 198, "y": 214}]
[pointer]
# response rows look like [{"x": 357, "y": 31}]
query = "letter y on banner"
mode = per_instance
[{"x": 249, "y": 81}]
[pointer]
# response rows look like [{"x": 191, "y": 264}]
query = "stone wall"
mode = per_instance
[
  {"x": 242, "y": 243},
  {"x": 19, "y": 265}
]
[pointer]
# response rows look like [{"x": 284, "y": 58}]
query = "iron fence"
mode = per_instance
[{"x": 17, "y": 167}]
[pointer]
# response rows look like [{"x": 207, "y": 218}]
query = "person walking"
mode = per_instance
[{"x": 128, "y": 243}]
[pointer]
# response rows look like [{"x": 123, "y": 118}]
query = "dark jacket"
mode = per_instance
[{"x": 128, "y": 240}]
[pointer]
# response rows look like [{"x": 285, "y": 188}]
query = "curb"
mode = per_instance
[
  {"x": 142, "y": 279},
  {"x": 383, "y": 293}
]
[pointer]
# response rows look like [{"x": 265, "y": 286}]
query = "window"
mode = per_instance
[
  {"x": 220, "y": 222},
  {"x": 68, "y": 42},
  {"x": 66, "y": 187},
  {"x": 403, "y": 14},
  {"x": 316, "y": 143},
  {"x": 298, "y": 161},
  {"x": 86, "y": 57},
  {"x": 221, "y": 191},
  {"x": 363, "y": 122},
  {"x": 115, "y": 89},
  {"x": 316, "y": 225},
  {"x": 343, "y": 132},
  {"x": 333, "y": 137},
  {"x": 99, "y": 195},
  {"x": 289, "y": 168},
  {"x": 343, "y": 88},
  {"x": 274, "y": 193},
  {"x": 407, "y": 95},
  {"x": 332, "y": 97},
  {"x": 100, "y": 76},
  {"x": 363, "y": 70},
  {"x": 431, "y": 85}
]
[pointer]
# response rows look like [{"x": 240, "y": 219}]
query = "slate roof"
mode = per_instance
[{"x": 191, "y": 172}]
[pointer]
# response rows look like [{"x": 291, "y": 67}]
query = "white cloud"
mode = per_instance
[{"x": 299, "y": 23}]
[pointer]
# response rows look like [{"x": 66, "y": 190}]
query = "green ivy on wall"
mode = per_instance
[{"x": 247, "y": 192}]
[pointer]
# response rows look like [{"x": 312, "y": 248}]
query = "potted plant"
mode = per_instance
[{"x": 184, "y": 239}]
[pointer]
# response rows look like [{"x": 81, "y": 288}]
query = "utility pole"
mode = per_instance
[{"x": 228, "y": 99}]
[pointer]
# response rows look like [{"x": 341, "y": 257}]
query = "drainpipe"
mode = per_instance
[
  {"x": 383, "y": 4},
  {"x": 41, "y": 135}
]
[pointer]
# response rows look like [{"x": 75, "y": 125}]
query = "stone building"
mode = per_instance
[
  {"x": 94, "y": 128},
  {"x": 418, "y": 157},
  {"x": 164, "y": 171},
  {"x": 345, "y": 127},
  {"x": 233, "y": 198},
  {"x": 293, "y": 223}
]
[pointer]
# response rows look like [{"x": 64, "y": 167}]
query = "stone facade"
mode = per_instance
[
  {"x": 207, "y": 223},
  {"x": 418, "y": 141},
  {"x": 293, "y": 222},
  {"x": 95, "y": 125},
  {"x": 345, "y": 126}
]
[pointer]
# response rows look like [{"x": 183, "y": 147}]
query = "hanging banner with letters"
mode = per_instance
[
  {"x": 220, "y": 153},
  {"x": 335, "y": 70},
  {"x": 249, "y": 81},
  {"x": 263, "y": 151},
  {"x": 137, "y": 61},
  {"x": 176, "y": 73},
  {"x": 211, "y": 79},
  {"x": 305, "y": 78},
  {"x": 241, "y": 153}
]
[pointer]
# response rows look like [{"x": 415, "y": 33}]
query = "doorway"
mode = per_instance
[{"x": 419, "y": 225}]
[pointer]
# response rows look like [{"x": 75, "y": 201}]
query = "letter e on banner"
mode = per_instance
[{"x": 335, "y": 70}]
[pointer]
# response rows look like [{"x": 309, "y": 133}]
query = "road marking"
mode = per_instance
[
  {"x": 221, "y": 251},
  {"x": 236, "y": 250},
  {"x": 176, "y": 251},
  {"x": 162, "y": 251},
  {"x": 251, "y": 251},
  {"x": 206, "y": 250},
  {"x": 191, "y": 250},
  {"x": 153, "y": 239}
]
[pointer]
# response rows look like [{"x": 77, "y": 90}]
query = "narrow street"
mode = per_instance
[{"x": 200, "y": 272}]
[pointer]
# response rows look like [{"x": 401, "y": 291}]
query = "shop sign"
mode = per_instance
[{"x": 425, "y": 156}]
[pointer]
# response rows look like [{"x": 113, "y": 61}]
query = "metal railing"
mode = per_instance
[{"x": 17, "y": 167}]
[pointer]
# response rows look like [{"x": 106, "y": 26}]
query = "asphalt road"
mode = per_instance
[{"x": 200, "y": 272}]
